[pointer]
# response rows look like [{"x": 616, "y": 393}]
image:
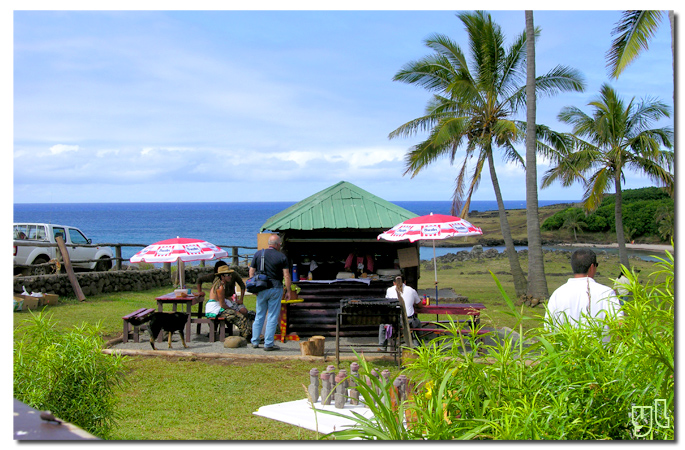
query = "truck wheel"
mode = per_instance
[
  {"x": 103, "y": 265},
  {"x": 44, "y": 270}
]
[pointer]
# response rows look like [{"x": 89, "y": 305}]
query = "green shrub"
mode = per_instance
[
  {"x": 635, "y": 195},
  {"x": 556, "y": 221},
  {"x": 639, "y": 216},
  {"x": 596, "y": 223},
  {"x": 66, "y": 373},
  {"x": 639, "y": 210}
]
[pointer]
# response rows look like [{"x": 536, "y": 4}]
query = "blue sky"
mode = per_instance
[{"x": 200, "y": 106}]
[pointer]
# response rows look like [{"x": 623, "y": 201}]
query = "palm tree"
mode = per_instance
[
  {"x": 618, "y": 137},
  {"x": 474, "y": 105},
  {"x": 537, "y": 282},
  {"x": 573, "y": 223},
  {"x": 665, "y": 220}
]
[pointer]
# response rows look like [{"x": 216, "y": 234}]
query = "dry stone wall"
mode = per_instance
[{"x": 93, "y": 283}]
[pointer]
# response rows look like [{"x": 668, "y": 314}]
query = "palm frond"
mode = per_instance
[
  {"x": 560, "y": 79},
  {"x": 645, "y": 113},
  {"x": 412, "y": 127},
  {"x": 633, "y": 33},
  {"x": 656, "y": 170},
  {"x": 596, "y": 186},
  {"x": 432, "y": 73}
]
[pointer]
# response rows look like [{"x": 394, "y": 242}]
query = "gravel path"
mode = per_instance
[{"x": 200, "y": 345}]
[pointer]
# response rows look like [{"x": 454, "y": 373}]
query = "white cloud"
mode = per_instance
[
  {"x": 61, "y": 148},
  {"x": 103, "y": 153}
]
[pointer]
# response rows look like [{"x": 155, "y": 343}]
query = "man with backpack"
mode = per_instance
[{"x": 274, "y": 264}]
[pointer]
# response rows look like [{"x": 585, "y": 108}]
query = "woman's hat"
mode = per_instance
[{"x": 224, "y": 270}]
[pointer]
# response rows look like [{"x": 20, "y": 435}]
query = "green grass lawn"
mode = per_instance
[{"x": 189, "y": 399}]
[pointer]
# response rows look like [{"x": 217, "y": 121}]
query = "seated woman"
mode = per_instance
[
  {"x": 230, "y": 288},
  {"x": 219, "y": 306}
]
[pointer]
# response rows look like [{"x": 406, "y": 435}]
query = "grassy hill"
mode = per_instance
[{"x": 492, "y": 234}]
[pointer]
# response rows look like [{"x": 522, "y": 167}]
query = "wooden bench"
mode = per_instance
[
  {"x": 436, "y": 328},
  {"x": 129, "y": 328},
  {"x": 214, "y": 322}
]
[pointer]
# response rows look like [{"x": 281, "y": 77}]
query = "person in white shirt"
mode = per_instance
[
  {"x": 409, "y": 295},
  {"x": 410, "y": 298},
  {"x": 582, "y": 299}
]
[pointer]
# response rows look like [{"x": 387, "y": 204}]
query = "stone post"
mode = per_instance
[
  {"x": 354, "y": 393},
  {"x": 325, "y": 388},
  {"x": 314, "y": 385},
  {"x": 339, "y": 390}
]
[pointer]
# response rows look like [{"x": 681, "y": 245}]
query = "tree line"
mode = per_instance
[{"x": 647, "y": 212}]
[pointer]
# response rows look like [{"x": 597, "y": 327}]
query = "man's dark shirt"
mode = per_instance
[{"x": 274, "y": 263}]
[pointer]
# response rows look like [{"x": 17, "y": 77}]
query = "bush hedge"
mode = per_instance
[{"x": 639, "y": 211}]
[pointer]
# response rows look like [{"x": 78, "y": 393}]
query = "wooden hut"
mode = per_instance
[{"x": 324, "y": 231}]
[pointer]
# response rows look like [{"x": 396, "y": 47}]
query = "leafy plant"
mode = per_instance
[
  {"x": 66, "y": 373},
  {"x": 564, "y": 382}
]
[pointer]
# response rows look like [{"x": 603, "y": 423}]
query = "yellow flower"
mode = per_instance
[{"x": 429, "y": 389}]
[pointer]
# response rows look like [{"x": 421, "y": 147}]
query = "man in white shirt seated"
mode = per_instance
[
  {"x": 582, "y": 299},
  {"x": 410, "y": 298}
]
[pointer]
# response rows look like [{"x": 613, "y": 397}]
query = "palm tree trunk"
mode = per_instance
[
  {"x": 620, "y": 233},
  {"x": 520, "y": 283},
  {"x": 537, "y": 282}
]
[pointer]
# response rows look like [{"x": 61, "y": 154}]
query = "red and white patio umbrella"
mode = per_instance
[
  {"x": 179, "y": 250},
  {"x": 431, "y": 227}
]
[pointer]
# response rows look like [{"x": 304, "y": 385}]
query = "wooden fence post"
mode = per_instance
[
  {"x": 70, "y": 270},
  {"x": 236, "y": 260},
  {"x": 117, "y": 254}
]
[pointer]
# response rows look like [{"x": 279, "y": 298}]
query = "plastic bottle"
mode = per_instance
[{"x": 295, "y": 277}]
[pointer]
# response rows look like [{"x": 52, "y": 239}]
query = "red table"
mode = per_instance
[
  {"x": 453, "y": 309},
  {"x": 188, "y": 301}
]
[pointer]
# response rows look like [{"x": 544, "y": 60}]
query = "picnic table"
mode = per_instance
[{"x": 454, "y": 310}]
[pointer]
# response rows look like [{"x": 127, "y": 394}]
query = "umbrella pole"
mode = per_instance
[
  {"x": 181, "y": 273},
  {"x": 435, "y": 269}
]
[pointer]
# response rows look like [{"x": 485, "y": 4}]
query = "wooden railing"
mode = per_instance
[{"x": 234, "y": 254}]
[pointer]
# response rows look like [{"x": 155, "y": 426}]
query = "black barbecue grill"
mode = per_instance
[{"x": 356, "y": 313}]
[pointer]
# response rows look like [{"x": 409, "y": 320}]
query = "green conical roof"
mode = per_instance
[{"x": 342, "y": 205}]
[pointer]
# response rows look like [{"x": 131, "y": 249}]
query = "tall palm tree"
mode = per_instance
[
  {"x": 537, "y": 282},
  {"x": 473, "y": 104},
  {"x": 617, "y": 137}
]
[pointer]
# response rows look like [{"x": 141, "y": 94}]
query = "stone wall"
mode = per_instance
[{"x": 93, "y": 283}]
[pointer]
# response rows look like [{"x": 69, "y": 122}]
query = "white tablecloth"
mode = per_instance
[{"x": 300, "y": 413}]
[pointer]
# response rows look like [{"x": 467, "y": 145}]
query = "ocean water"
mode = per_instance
[{"x": 223, "y": 224}]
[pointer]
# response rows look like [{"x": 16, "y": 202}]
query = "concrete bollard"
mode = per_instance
[
  {"x": 314, "y": 385},
  {"x": 354, "y": 393},
  {"x": 325, "y": 388}
]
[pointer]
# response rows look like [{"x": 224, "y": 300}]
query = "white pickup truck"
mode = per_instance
[{"x": 28, "y": 250}]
